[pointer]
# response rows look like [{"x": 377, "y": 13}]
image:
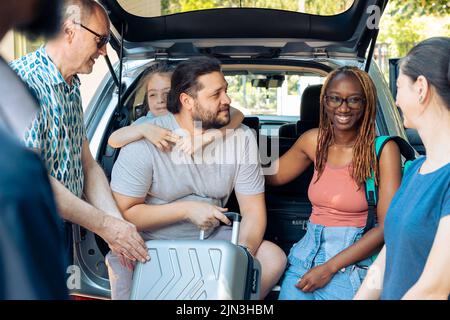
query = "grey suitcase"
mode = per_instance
[{"x": 198, "y": 270}]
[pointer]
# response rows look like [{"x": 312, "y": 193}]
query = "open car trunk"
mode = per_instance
[{"x": 238, "y": 32}]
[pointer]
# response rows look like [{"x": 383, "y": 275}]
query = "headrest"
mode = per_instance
[
  {"x": 310, "y": 105},
  {"x": 252, "y": 123}
]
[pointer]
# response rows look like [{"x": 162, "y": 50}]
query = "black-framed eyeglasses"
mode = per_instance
[
  {"x": 102, "y": 40},
  {"x": 352, "y": 102}
]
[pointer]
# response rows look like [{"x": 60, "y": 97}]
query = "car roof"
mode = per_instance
[{"x": 239, "y": 32}]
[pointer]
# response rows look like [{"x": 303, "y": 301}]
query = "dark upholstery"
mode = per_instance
[
  {"x": 288, "y": 130},
  {"x": 303, "y": 126},
  {"x": 252, "y": 123},
  {"x": 310, "y": 112}
]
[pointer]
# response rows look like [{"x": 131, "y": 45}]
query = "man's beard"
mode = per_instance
[
  {"x": 46, "y": 22},
  {"x": 210, "y": 119}
]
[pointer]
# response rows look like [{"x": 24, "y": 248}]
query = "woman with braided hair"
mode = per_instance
[{"x": 331, "y": 260}]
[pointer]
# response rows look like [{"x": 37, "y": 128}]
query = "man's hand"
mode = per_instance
[
  {"x": 162, "y": 138},
  {"x": 123, "y": 239},
  {"x": 315, "y": 278},
  {"x": 204, "y": 215}
]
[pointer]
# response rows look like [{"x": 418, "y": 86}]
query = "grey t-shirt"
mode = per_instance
[{"x": 209, "y": 176}]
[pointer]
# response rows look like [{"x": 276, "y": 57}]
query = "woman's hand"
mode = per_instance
[{"x": 316, "y": 278}]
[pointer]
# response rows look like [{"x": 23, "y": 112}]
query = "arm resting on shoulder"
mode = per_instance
[
  {"x": 162, "y": 138},
  {"x": 236, "y": 117},
  {"x": 125, "y": 135}
]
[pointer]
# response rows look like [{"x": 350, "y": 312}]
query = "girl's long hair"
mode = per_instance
[
  {"x": 364, "y": 156},
  {"x": 160, "y": 68}
]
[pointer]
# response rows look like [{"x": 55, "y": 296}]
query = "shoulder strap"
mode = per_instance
[
  {"x": 371, "y": 188},
  {"x": 406, "y": 151}
]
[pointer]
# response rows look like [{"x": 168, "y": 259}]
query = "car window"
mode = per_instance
[
  {"x": 276, "y": 94},
  {"x": 269, "y": 94},
  {"x": 156, "y": 8}
]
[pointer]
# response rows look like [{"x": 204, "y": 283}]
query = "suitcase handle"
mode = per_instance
[
  {"x": 236, "y": 219},
  {"x": 233, "y": 216}
]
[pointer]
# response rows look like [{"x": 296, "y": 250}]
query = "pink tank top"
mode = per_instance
[{"x": 336, "y": 200}]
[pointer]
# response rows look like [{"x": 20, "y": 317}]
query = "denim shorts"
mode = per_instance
[{"x": 319, "y": 245}]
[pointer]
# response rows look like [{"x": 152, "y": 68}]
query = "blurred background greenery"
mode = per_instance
[{"x": 403, "y": 24}]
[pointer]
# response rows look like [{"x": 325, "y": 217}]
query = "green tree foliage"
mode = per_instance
[
  {"x": 409, "y": 8},
  {"x": 327, "y": 7},
  {"x": 406, "y": 22},
  {"x": 323, "y": 7},
  {"x": 403, "y": 8}
]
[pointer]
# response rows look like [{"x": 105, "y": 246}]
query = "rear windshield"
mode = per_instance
[
  {"x": 276, "y": 94},
  {"x": 255, "y": 92},
  {"x": 156, "y": 8}
]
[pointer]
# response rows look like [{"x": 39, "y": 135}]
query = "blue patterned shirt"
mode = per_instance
[{"x": 58, "y": 129}]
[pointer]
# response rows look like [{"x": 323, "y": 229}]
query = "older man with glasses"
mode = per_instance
[{"x": 58, "y": 133}]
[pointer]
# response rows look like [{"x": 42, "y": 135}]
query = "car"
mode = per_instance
[{"x": 274, "y": 71}]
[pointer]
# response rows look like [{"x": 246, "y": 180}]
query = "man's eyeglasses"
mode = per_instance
[
  {"x": 352, "y": 102},
  {"x": 102, "y": 40}
]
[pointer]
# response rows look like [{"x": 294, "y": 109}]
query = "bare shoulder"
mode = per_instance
[
  {"x": 311, "y": 135},
  {"x": 307, "y": 143},
  {"x": 390, "y": 160},
  {"x": 390, "y": 151}
]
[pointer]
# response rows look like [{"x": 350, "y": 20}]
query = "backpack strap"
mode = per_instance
[
  {"x": 371, "y": 189},
  {"x": 406, "y": 149}
]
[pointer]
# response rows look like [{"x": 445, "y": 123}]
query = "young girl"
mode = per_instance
[
  {"x": 329, "y": 262},
  {"x": 157, "y": 83}
]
